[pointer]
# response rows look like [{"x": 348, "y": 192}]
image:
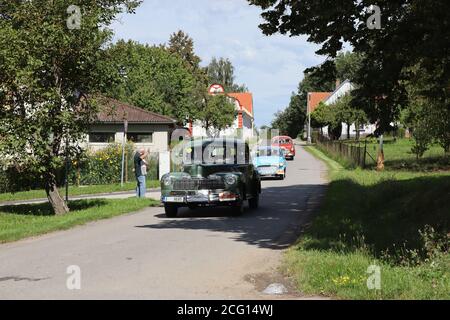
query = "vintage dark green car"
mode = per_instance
[{"x": 214, "y": 172}]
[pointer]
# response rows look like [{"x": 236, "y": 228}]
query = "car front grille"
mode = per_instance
[
  {"x": 268, "y": 166},
  {"x": 198, "y": 184}
]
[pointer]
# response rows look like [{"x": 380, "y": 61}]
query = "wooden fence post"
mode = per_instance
[{"x": 365, "y": 151}]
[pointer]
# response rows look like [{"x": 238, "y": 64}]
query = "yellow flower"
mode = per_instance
[{"x": 341, "y": 280}]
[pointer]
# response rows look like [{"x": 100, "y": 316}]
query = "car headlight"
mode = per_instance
[
  {"x": 230, "y": 179},
  {"x": 166, "y": 181}
]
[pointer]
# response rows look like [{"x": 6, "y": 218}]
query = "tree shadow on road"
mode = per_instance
[
  {"x": 276, "y": 224},
  {"x": 45, "y": 209}
]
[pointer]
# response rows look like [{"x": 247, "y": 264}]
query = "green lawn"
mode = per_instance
[
  {"x": 22, "y": 221},
  {"x": 398, "y": 155},
  {"x": 75, "y": 191},
  {"x": 374, "y": 218}
]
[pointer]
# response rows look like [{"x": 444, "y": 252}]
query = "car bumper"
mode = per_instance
[
  {"x": 201, "y": 198},
  {"x": 290, "y": 155}
]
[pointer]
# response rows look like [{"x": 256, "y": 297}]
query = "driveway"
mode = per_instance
[{"x": 203, "y": 254}]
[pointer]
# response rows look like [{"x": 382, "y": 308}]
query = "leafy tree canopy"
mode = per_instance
[
  {"x": 218, "y": 113},
  {"x": 180, "y": 43},
  {"x": 48, "y": 64},
  {"x": 155, "y": 80},
  {"x": 412, "y": 32},
  {"x": 221, "y": 71}
]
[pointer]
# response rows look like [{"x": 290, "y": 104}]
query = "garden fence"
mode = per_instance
[{"x": 356, "y": 155}]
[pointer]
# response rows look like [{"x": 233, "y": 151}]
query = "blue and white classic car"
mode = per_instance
[{"x": 270, "y": 162}]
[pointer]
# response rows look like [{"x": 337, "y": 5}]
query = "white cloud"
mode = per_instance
[{"x": 270, "y": 66}]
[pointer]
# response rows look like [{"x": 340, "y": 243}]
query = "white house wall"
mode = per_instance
[
  {"x": 247, "y": 121},
  {"x": 160, "y": 136},
  {"x": 345, "y": 88}
]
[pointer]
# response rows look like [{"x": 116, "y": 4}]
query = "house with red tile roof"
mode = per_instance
[
  {"x": 315, "y": 98},
  {"x": 330, "y": 98},
  {"x": 244, "y": 122}
]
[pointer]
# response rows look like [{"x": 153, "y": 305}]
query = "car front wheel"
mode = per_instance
[
  {"x": 254, "y": 202},
  {"x": 171, "y": 210}
]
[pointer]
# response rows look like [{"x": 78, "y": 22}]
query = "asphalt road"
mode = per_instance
[{"x": 203, "y": 254}]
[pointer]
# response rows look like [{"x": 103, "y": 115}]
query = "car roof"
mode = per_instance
[
  {"x": 269, "y": 147},
  {"x": 281, "y": 137},
  {"x": 204, "y": 142}
]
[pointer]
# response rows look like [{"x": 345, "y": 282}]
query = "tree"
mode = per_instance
[
  {"x": 156, "y": 80},
  {"x": 327, "y": 115},
  {"x": 321, "y": 116},
  {"x": 180, "y": 43},
  {"x": 344, "y": 112},
  {"x": 348, "y": 65},
  {"x": 280, "y": 122},
  {"x": 217, "y": 114},
  {"x": 291, "y": 120},
  {"x": 221, "y": 71},
  {"x": 411, "y": 31},
  {"x": 427, "y": 109},
  {"x": 51, "y": 66}
]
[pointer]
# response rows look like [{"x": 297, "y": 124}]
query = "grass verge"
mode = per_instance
[
  {"x": 22, "y": 221},
  {"x": 331, "y": 164},
  {"x": 75, "y": 191},
  {"x": 396, "y": 220},
  {"x": 398, "y": 155}
]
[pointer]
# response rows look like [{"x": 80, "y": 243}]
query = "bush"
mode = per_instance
[
  {"x": 89, "y": 168},
  {"x": 12, "y": 180},
  {"x": 104, "y": 166}
]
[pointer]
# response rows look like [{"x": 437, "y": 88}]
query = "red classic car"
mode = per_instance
[{"x": 285, "y": 143}]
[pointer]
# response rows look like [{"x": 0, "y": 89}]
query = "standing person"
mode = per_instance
[{"x": 139, "y": 165}]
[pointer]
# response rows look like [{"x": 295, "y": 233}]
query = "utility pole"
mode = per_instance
[
  {"x": 124, "y": 141},
  {"x": 67, "y": 170},
  {"x": 309, "y": 118}
]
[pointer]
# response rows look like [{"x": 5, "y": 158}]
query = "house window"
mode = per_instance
[
  {"x": 140, "y": 137},
  {"x": 101, "y": 137}
]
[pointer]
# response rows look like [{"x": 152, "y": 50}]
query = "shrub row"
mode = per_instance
[{"x": 89, "y": 168}]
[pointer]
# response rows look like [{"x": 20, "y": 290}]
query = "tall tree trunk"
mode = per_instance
[
  {"x": 58, "y": 204},
  {"x": 348, "y": 131}
]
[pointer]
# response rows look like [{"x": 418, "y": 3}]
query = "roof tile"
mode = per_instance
[{"x": 113, "y": 111}]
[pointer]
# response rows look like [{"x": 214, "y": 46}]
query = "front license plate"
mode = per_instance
[
  {"x": 266, "y": 171},
  {"x": 174, "y": 199}
]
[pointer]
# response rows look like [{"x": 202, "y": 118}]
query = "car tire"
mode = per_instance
[
  {"x": 171, "y": 210},
  {"x": 254, "y": 202}
]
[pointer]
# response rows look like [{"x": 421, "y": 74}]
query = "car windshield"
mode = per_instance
[
  {"x": 216, "y": 152},
  {"x": 282, "y": 141},
  {"x": 268, "y": 152}
]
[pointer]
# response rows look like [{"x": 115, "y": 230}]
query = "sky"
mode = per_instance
[{"x": 271, "y": 67}]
